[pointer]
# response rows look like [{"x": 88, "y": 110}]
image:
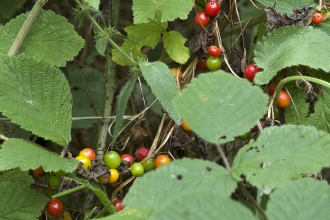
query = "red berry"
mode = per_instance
[
  {"x": 118, "y": 204},
  {"x": 128, "y": 158},
  {"x": 214, "y": 51},
  {"x": 317, "y": 18},
  {"x": 212, "y": 8},
  {"x": 54, "y": 207},
  {"x": 201, "y": 65},
  {"x": 141, "y": 153},
  {"x": 272, "y": 88},
  {"x": 250, "y": 71},
  {"x": 202, "y": 19}
]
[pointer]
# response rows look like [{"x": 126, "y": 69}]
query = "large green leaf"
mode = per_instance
[
  {"x": 174, "y": 44},
  {"x": 126, "y": 214},
  {"x": 302, "y": 199},
  {"x": 121, "y": 105},
  {"x": 219, "y": 106},
  {"x": 200, "y": 184},
  {"x": 281, "y": 154},
  {"x": 17, "y": 176},
  {"x": 285, "y": 6},
  {"x": 291, "y": 46},
  {"x": 143, "y": 10},
  {"x": 95, "y": 4},
  {"x": 138, "y": 36},
  {"x": 20, "y": 202},
  {"x": 162, "y": 83},
  {"x": 27, "y": 155},
  {"x": 36, "y": 96},
  {"x": 50, "y": 38}
]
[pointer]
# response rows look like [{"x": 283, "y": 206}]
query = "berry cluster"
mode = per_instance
[{"x": 203, "y": 18}]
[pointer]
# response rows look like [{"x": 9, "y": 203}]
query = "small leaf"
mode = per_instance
[
  {"x": 143, "y": 10},
  {"x": 95, "y": 4},
  {"x": 281, "y": 154},
  {"x": 303, "y": 199},
  {"x": 162, "y": 83},
  {"x": 126, "y": 214},
  {"x": 101, "y": 45},
  {"x": 184, "y": 177},
  {"x": 286, "y": 47},
  {"x": 285, "y": 6},
  {"x": 27, "y": 155},
  {"x": 121, "y": 105},
  {"x": 20, "y": 202},
  {"x": 214, "y": 105},
  {"x": 36, "y": 96},
  {"x": 51, "y": 38},
  {"x": 17, "y": 176},
  {"x": 174, "y": 45},
  {"x": 138, "y": 36}
]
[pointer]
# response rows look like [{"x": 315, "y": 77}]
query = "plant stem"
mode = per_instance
[
  {"x": 69, "y": 191},
  {"x": 32, "y": 15},
  {"x": 247, "y": 194},
  {"x": 2, "y": 137},
  {"x": 224, "y": 158}
]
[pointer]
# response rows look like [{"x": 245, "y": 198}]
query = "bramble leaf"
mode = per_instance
[
  {"x": 214, "y": 105},
  {"x": 286, "y": 47},
  {"x": 138, "y": 36},
  {"x": 17, "y": 176},
  {"x": 121, "y": 105},
  {"x": 162, "y": 83},
  {"x": 27, "y": 155},
  {"x": 189, "y": 184},
  {"x": 126, "y": 214},
  {"x": 285, "y": 6},
  {"x": 95, "y": 4},
  {"x": 143, "y": 10},
  {"x": 281, "y": 154},
  {"x": 16, "y": 202},
  {"x": 302, "y": 199},
  {"x": 174, "y": 45},
  {"x": 51, "y": 38}
]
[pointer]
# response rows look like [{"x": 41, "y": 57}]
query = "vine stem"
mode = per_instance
[
  {"x": 67, "y": 192},
  {"x": 2, "y": 137},
  {"x": 224, "y": 158},
  {"x": 98, "y": 27},
  {"x": 32, "y": 15}
]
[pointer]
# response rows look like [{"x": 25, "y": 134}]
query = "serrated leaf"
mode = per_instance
[
  {"x": 27, "y": 155},
  {"x": 281, "y": 154},
  {"x": 95, "y": 4},
  {"x": 138, "y": 36},
  {"x": 297, "y": 112},
  {"x": 291, "y": 46},
  {"x": 17, "y": 176},
  {"x": 101, "y": 45},
  {"x": 174, "y": 45},
  {"x": 183, "y": 177},
  {"x": 302, "y": 199},
  {"x": 162, "y": 83},
  {"x": 285, "y": 6},
  {"x": 143, "y": 10},
  {"x": 214, "y": 105},
  {"x": 121, "y": 105},
  {"x": 51, "y": 38},
  {"x": 126, "y": 214},
  {"x": 36, "y": 96},
  {"x": 20, "y": 202}
]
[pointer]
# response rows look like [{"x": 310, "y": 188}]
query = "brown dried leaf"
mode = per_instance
[{"x": 138, "y": 134}]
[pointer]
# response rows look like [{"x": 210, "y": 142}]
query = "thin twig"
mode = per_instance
[{"x": 224, "y": 158}]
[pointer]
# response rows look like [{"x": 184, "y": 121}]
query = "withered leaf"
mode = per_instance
[{"x": 138, "y": 134}]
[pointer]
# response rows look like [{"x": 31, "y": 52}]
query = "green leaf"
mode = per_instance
[
  {"x": 184, "y": 178},
  {"x": 291, "y": 46},
  {"x": 174, "y": 45},
  {"x": 51, "y": 38},
  {"x": 27, "y": 155},
  {"x": 126, "y": 214},
  {"x": 20, "y": 202},
  {"x": 9, "y": 7},
  {"x": 143, "y": 10},
  {"x": 121, "y": 105},
  {"x": 36, "y": 96},
  {"x": 214, "y": 106},
  {"x": 281, "y": 154},
  {"x": 138, "y": 36},
  {"x": 101, "y": 45},
  {"x": 95, "y": 4},
  {"x": 285, "y": 6},
  {"x": 297, "y": 112},
  {"x": 302, "y": 199},
  {"x": 162, "y": 83},
  {"x": 17, "y": 176}
]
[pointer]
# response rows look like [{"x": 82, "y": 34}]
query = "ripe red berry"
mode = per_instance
[
  {"x": 202, "y": 19},
  {"x": 214, "y": 51},
  {"x": 250, "y": 71},
  {"x": 272, "y": 88},
  {"x": 317, "y": 17},
  {"x": 54, "y": 207},
  {"x": 118, "y": 204},
  {"x": 212, "y": 8},
  {"x": 141, "y": 153}
]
